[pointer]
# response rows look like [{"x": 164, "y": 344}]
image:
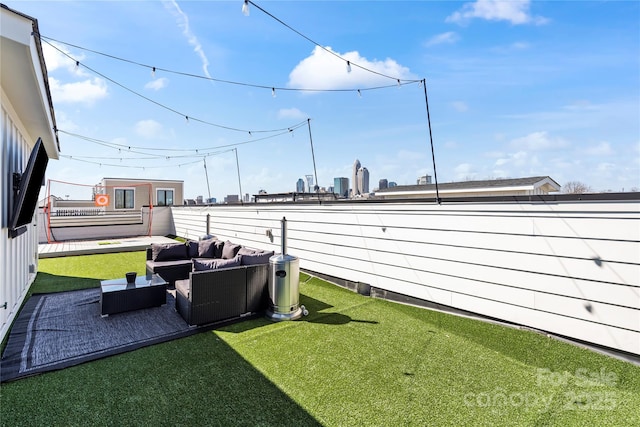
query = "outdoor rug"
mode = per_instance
[{"x": 58, "y": 330}]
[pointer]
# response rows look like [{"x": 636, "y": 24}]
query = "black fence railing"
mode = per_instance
[{"x": 77, "y": 212}]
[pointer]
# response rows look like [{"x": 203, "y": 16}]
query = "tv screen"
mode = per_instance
[{"x": 25, "y": 201}]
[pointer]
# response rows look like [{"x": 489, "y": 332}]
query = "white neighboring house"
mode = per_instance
[
  {"x": 26, "y": 115},
  {"x": 530, "y": 186}
]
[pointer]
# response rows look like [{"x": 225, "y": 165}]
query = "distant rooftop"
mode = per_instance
[{"x": 511, "y": 186}]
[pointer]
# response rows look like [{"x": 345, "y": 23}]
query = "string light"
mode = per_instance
[
  {"x": 158, "y": 103},
  {"x": 328, "y": 50},
  {"x": 259, "y": 86},
  {"x": 206, "y": 150},
  {"x": 359, "y": 94},
  {"x": 245, "y": 8},
  {"x": 76, "y": 66},
  {"x": 153, "y": 72},
  {"x": 348, "y": 66},
  {"x": 273, "y": 92}
]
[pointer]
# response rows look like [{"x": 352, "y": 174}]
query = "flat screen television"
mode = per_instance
[{"x": 26, "y": 198}]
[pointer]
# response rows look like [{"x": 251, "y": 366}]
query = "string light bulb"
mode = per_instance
[
  {"x": 348, "y": 66},
  {"x": 76, "y": 66},
  {"x": 273, "y": 92},
  {"x": 245, "y": 8},
  {"x": 153, "y": 72},
  {"x": 359, "y": 94}
]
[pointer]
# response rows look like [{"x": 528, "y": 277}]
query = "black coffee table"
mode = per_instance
[{"x": 116, "y": 296}]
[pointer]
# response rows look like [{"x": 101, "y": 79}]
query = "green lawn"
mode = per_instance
[{"x": 354, "y": 361}]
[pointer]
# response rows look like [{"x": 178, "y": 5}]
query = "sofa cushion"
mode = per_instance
[
  {"x": 218, "y": 250},
  {"x": 256, "y": 258},
  {"x": 247, "y": 251},
  {"x": 183, "y": 287},
  {"x": 230, "y": 250},
  {"x": 192, "y": 248},
  {"x": 168, "y": 251},
  {"x": 203, "y": 264},
  {"x": 206, "y": 248}
]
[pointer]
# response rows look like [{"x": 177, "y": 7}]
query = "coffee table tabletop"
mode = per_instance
[
  {"x": 117, "y": 296},
  {"x": 121, "y": 284}
]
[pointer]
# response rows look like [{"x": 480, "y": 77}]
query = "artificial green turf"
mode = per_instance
[
  {"x": 79, "y": 272},
  {"x": 354, "y": 361}
]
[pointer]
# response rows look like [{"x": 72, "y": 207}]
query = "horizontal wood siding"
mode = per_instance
[
  {"x": 570, "y": 267},
  {"x": 107, "y": 226},
  {"x": 18, "y": 256}
]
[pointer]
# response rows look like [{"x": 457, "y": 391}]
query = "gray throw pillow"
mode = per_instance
[
  {"x": 219, "y": 245},
  {"x": 206, "y": 248},
  {"x": 256, "y": 258},
  {"x": 192, "y": 248},
  {"x": 215, "y": 264},
  {"x": 168, "y": 251},
  {"x": 230, "y": 250},
  {"x": 247, "y": 251}
]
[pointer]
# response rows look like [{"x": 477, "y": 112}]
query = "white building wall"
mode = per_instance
[
  {"x": 18, "y": 256},
  {"x": 567, "y": 267},
  {"x": 107, "y": 226}
]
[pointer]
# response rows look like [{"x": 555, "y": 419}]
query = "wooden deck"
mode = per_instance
[{"x": 87, "y": 247}]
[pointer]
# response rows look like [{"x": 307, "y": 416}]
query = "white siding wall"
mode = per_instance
[
  {"x": 90, "y": 227},
  {"x": 568, "y": 267},
  {"x": 18, "y": 256}
]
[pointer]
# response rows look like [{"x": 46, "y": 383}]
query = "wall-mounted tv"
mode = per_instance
[{"x": 28, "y": 189}]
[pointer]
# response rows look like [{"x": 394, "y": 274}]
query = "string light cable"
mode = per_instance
[
  {"x": 186, "y": 116},
  {"x": 196, "y": 152},
  {"x": 349, "y": 64},
  {"x": 272, "y": 88}
]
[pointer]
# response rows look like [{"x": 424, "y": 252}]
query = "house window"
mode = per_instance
[
  {"x": 164, "y": 197},
  {"x": 125, "y": 198}
]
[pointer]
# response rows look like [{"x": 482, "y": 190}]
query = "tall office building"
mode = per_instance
[
  {"x": 300, "y": 186},
  {"x": 382, "y": 184},
  {"x": 341, "y": 186},
  {"x": 363, "y": 181},
  {"x": 354, "y": 178}
]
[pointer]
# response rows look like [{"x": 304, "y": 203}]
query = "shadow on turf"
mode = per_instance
[{"x": 315, "y": 308}]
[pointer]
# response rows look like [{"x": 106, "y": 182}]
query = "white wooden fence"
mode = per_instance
[
  {"x": 105, "y": 226},
  {"x": 570, "y": 267}
]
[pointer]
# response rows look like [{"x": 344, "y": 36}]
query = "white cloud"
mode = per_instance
[
  {"x": 514, "y": 11},
  {"x": 460, "y": 106},
  {"x": 451, "y": 145},
  {"x": 149, "y": 129},
  {"x": 606, "y": 167},
  {"x": 86, "y": 92},
  {"x": 64, "y": 122},
  {"x": 322, "y": 70},
  {"x": 514, "y": 159},
  {"x": 58, "y": 57},
  {"x": 513, "y": 47},
  {"x": 291, "y": 113},
  {"x": 449, "y": 37},
  {"x": 183, "y": 22},
  {"x": 539, "y": 141},
  {"x": 157, "y": 84},
  {"x": 601, "y": 149},
  {"x": 464, "y": 171}
]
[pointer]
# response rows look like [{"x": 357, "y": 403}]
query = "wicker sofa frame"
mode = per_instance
[{"x": 216, "y": 295}]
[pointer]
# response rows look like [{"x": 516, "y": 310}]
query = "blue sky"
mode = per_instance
[{"x": 516, "y": 88}]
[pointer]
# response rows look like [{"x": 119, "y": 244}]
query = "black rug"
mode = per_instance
[{"x": 59, "y": 330}]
